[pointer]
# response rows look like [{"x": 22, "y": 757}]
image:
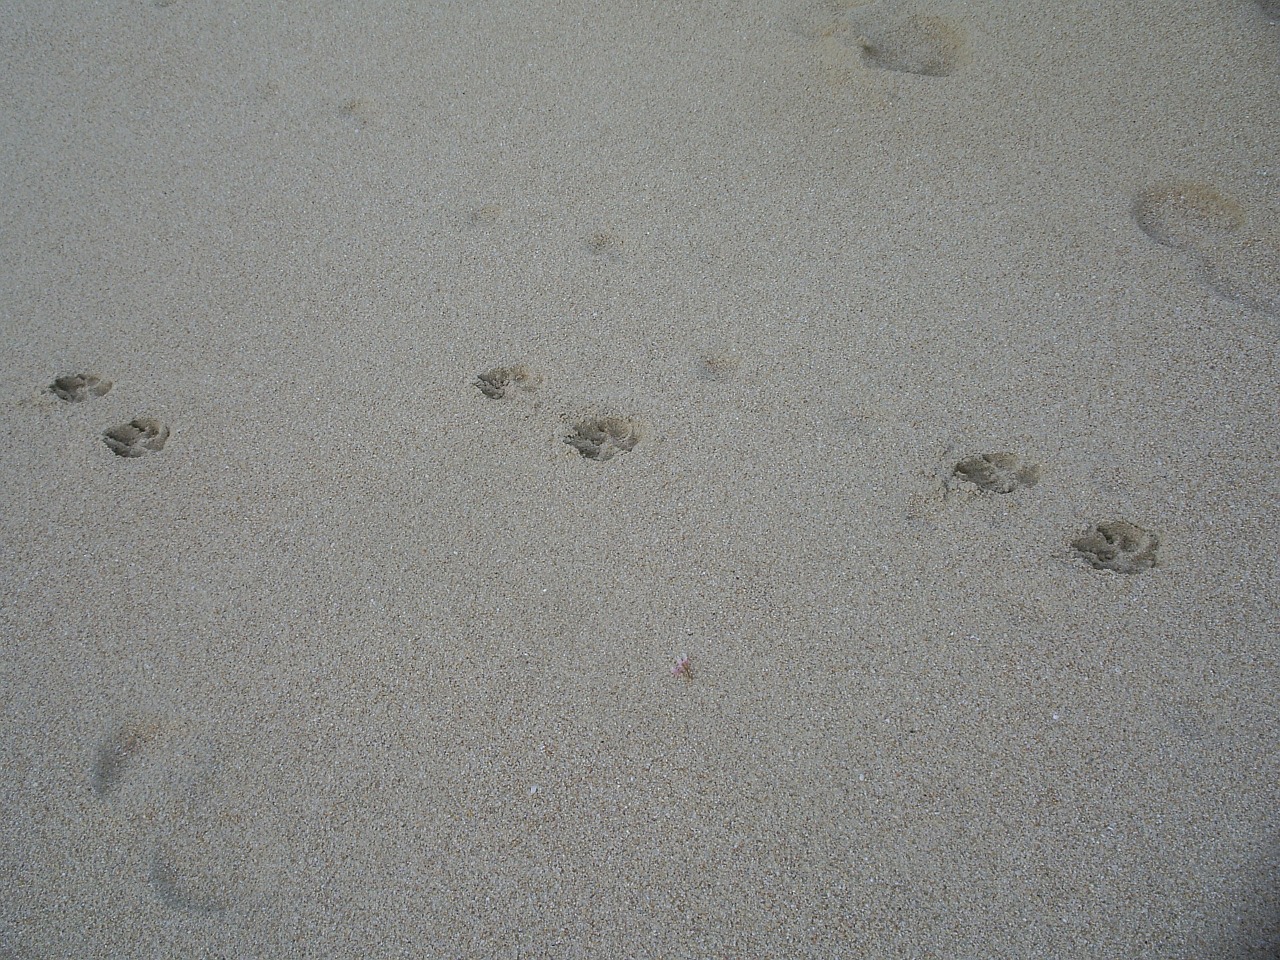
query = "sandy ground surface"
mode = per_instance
[{"x": 875, "y": 329}]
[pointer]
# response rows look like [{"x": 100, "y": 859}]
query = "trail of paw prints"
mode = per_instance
[
  {"x": 1118, "y": 546},
  {"x": 200, "y": 862},
  {"x": 596, "y": 438},
  {"x": 137, "y": 438},
  {"x": 1237, "y": 262}
]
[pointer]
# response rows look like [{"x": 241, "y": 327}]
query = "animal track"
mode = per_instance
[
  {"x": 1247, "y": 273},
  {"x": 359, "y": 111},
  {"x": 605, "y": 244},
  {"x": 79, "y": 387},
  {"x": 118, "y": 752},
  {"x": 137, "y": 437},
  {"x": 190, "y": 894},
  {"x": 718, "y": 368},
  {"x": 603, "y": 438},
  {"x": 1187, "y": 216},
  {"x": 927, "y": 46},
  {"x": 501, "y": 381},
  {"x": 1199, "y": 220},
  {"x": 1118, "y": 546},
  {"x": 994, "y": 473}
]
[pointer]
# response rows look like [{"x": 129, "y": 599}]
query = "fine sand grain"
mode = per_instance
[{"x": 768, "y": 478}]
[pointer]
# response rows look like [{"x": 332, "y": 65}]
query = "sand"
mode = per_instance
[{"x": 910, "y": 368}]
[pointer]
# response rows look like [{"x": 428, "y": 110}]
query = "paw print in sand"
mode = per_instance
[
  {"x": 1117, "y": 545},
  {"x": 79, "y": 387},
  {"x": 137, "y": 437},
  {"x": 503, "y": 382},
  {"x": 603, "y": 438},
  {"x": 994, "y": 473}
]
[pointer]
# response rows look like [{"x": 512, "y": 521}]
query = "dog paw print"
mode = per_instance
[
  {"x": 603, "y": 438},
  {"x": 994, "y": 473},
  {"x": 1117, "y": 545},
  {"x": 79, "y": 387},
  {"x": 137, "y": 437},
  {"x": 501, "y": 382}
]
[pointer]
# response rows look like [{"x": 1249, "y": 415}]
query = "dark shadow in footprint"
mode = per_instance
[
  {"x": 1187, "y": 216},
  {"x": 502, "y": 382},
  {"x": 137, "y": 437},
  {"x": 79, "y": 387},
  {"x": 603, "y": 438},
  {"x": 927, "y": 46},
  {"x": 118, "y": 752},
  {"x": 994, "y": 473},
  {"x": 1117, "y": 545}
]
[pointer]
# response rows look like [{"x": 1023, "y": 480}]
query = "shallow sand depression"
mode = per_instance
[{"x": 788, "y": 478}]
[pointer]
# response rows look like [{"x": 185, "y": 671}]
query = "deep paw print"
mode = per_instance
[
  {"x": 79, "y": 387},
  {"x": 503, "y": 382},
  {"x": 1117, "y": 545},
  {"x": 993, "y": 473},
  {"x": 137, "y": 437},
  {"x": 603, "y": 438}
]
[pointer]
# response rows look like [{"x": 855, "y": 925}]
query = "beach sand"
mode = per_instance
[{"x": 910, "y": 368}]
